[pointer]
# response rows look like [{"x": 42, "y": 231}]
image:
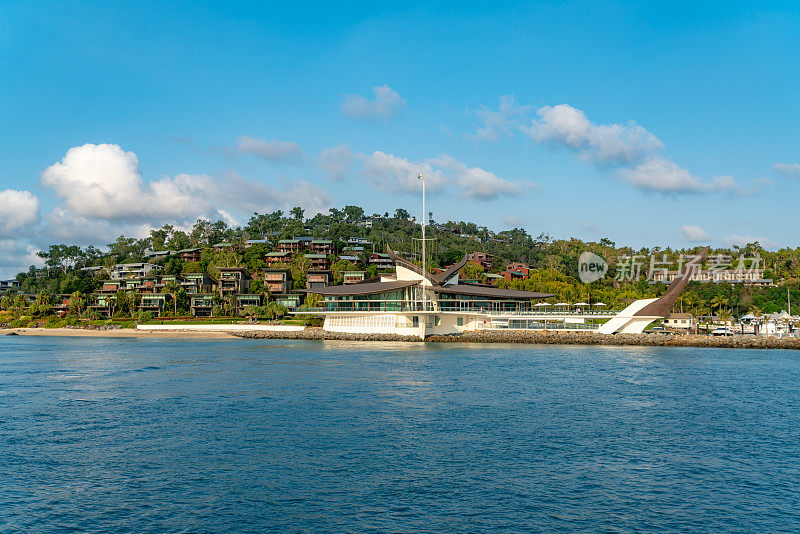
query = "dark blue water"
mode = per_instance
[{"x": 254, "y": 436}]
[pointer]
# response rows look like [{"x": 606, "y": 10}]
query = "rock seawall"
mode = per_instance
[{"x": 548, "y": 338}]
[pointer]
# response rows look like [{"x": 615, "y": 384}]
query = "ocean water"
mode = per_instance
[{"x": 282, "y": 436}]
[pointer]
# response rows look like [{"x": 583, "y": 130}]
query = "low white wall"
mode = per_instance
[{"x": 223, "y": 327}]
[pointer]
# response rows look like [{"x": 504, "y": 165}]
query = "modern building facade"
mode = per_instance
[{"x": 417, "y": 303}]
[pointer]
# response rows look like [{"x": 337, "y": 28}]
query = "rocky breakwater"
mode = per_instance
[
  {"x": 593, "y": 338},
  {"x": 316, "y": 333},
  {"x": 548, "y": 338}
]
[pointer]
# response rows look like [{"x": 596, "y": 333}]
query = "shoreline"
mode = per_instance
[
  {"x": 119, "y": 333},
  {"x": 548, "y": 338},
  {"x": 486, "y": 337}
]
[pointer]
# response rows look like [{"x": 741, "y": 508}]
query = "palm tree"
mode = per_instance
[
  {"x": 757, "y": 313},
  {"x": 171, "y": 287},
  {"x": 230, "y": 304},
  {"x": 134, "y": 298},
  {"x": 718, "y": 302},
  {"x": 76, "y": 302},
  {"x": 111, "y": 302},
  {"x": 44, "y": 299},
  {"x": 705, "y": 311},
  {"x": 725, "y": 315}
]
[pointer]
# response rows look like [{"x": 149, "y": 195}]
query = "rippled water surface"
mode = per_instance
[{"x": 252, "y": 436}]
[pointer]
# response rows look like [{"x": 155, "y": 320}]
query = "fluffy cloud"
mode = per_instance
[
  {"x": 787, "y": 169},
  {"x": 694, "y": 234},
  {"x": 17, "y": 256},
  {"x": 633, "y": 153},
  {"x": 18, "y": 209},
  {"x": 336, "y": 161},
  {"x": 386, "y": 104},
  {"x": 237, "y": 193},
  {"x": 275, "y": 151},
  {"x": 743, "y": 240},
  {"x": 512, "y": 221},
  {"x": 476, "y": 182},
  {"x": 103, "y": 182},
  {"x": 98, "y": 181},
  {"x": 104, "y": 195},
  {"x": 387, "y": 172},
  {"x": 603, "y": 144},
  {"x": 501, "y": 122},
  {"x": 665, "y": 176}
]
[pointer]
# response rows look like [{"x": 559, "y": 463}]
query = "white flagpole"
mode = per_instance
[{"x": 423, "y": 242}]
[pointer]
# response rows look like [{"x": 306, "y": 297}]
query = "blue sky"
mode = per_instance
[{"x": 662, "y": 124}]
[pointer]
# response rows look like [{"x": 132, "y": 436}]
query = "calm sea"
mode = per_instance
[{"x": 256, "y": 435}]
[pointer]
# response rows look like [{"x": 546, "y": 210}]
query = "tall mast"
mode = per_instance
[{"x": 423, "y": 241}]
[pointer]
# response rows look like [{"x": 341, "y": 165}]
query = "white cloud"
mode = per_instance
[
  {"x": 476, "y": 182},
  {"x": 336, "y": 161},
  {"x": 104, "y": 196},
  {"x": 16, "y": 256},
  {"x": 237, "y": 193},
  {"x": 513, "y": 221},
  {"x": 742, "y": 240},
  {"x": 386, "y": 105},
  {"x": 387, "y": 172},
  {"x": 694, "y": 234},
  {"x": 600, "y": 144},
  {"x": 787, "y": 169},
  {"x": 665, "y": 176},
  {"x": 98, "y": 181},
  {"x": 590, "y": 227},
  {"x": 18, "y": 210},
  {"x": 501, "y": 122},
  {"x": 275, "y": 150},
  {"x": 62, "y": 224}
]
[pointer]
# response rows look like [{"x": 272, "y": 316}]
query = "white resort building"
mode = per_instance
[
  {"x": 417, "y": 303},
  {"x": 414, "y": 302}
]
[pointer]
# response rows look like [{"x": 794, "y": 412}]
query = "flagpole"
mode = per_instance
[{"x": 423, "y": 241}]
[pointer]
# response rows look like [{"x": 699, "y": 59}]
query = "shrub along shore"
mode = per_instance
[{"x": 549, "y": 338}]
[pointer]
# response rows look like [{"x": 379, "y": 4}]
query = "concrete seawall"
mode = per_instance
[
  {"x": 229, "y": 328},
  {"x": 548, "y": 338}
]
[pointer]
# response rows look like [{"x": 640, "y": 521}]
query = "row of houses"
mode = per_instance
[
  {"x": 319, "y": 252},
  {"x": 153, "y": 288},
  {"x": 7, "y": 285},
  {"x": 513, "y": 271},
  {"x": 750, "y": 277}
]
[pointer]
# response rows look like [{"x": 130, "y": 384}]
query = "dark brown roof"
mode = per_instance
[
  {"x": 408, "y": 265},
  {"x": 363, "y": 289},
  {"x": 662, "y": 306},
  {"x": 492, "y": 292},
  {"x": 453, "y": 269}
]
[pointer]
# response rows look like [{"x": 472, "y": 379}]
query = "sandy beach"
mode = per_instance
[{"x": 116, "y": 333}]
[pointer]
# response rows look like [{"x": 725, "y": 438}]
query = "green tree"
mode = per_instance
[
  {"x": 171, "y": 287},
  {"x": 353, "y": 214},
  {"x": 77, "y": 303},
  {"x": 338, "y": 269},
  {"x": 757, "y": 313},
  {"x": 313, "y": 300}
]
